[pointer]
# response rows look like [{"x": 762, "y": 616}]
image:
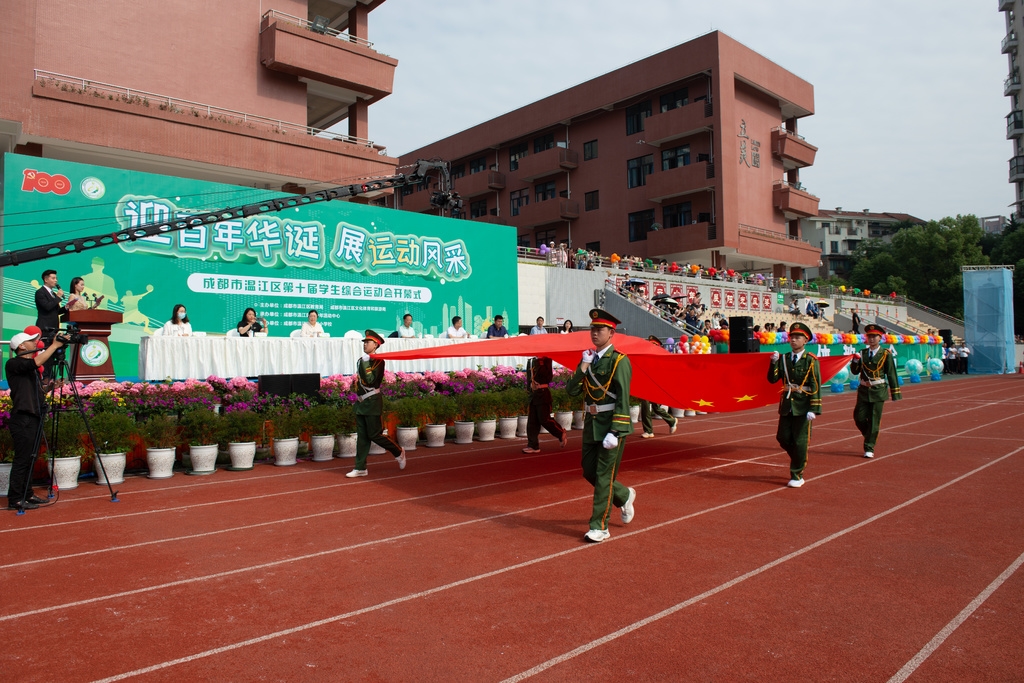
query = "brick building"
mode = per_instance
[{"x": 689, "y": 155}]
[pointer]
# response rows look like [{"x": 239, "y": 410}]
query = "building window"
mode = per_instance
[
  {"x": 826, "y": 225},
  {"x": 835, "y": 247},
  {"x": 515, "y": 153},
  {"x": 519, "y": 198},
  {"x": 545, "y": 191},
  {"x": 638, "y": 169},
  {"x": 590, "y": 201},
  {"x": 545, "y": 237},
  {"x": 635, "y": 116},
  {"x": 458, "y": 171},
  {"x": 543, "y": 142},
  {"x": 477, "y": 165},
  {"x": 674, "y": 99},
  {"x": 407, "y": 190},
  {"x": 523, "y": 240},
  {"x": 593, "y": 246},
  {"x": 639, "y": 223},
  {"x": 589, "y": 150},
  {"x": 478, "y": 208},
  {"x": 674, "y": 215},
  {"x": 674, "y": 158}
]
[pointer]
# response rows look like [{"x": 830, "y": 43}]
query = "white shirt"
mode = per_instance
[
  {"x": 314, "y": 330},
  {"x": 964, "y": 352},
  {"x": 406, "y": 332},
  {"x": 170, "y": 329},
  {"x": 536, "y": 329},
  {"x": 457, "y": 333}
]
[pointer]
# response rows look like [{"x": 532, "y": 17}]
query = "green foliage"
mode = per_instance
[
  {"x": 410, "y": 412},
  {"x": 512, "y": 402},
  {"x": 241, "y": 426},
  {"x": 477, "y": 406},
  {"x": 287, "y": 422},
  {"x": 113, "y": 432},
  {"x": 160, "y": 431},
  {"x": 200, "y": 427},
  {"x": 6, "y": 446},
  {"x": 346, "y": 416},
  {"x": 1008, "y": 249},
  {"x": 562, "y": 402},
  {"x": 441, "y": 409},
  {"x": 70, "y": 428},
  {"x": 320, "y": 420}
]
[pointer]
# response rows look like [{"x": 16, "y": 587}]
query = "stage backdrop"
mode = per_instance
[{"x": 359, "y": 266}]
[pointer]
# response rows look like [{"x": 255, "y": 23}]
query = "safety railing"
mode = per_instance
[{"x": 319, "y": 25}]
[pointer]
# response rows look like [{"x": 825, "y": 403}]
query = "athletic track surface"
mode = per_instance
[{"x": 469, "y": 565}]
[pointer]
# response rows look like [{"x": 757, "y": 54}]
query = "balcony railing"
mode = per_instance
[
  {"x": 771, "y": 234},
  {"x": 1012, "y": 84},
  {"x": 176, "y": 105},
  {"x": 1010, "y": 42},
  {"x": 1005, "y": 5},
  {"x": 315, "y": 27},
  {"x": 1014, "y": 124},
  {"x": 1016, "y": 169}
]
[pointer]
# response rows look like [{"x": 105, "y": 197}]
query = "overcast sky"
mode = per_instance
[{"x": 909, "y": 105}]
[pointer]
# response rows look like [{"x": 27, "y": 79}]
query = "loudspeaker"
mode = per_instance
[
  {"x": 947, "y": 336},
  {"x": 741, "y": 335},
  {"x": 307, "y": 384}
]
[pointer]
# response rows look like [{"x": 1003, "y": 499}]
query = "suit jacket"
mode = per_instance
[
  {"x": 49, "y": 310},
  {"x": 369, "y": 375},
  {"x": 805, "y": 374},
  {"x": 606, "y": 382},
  {"x": 881, "y": 367}
]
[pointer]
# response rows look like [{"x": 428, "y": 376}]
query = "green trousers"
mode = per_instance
[
  {"x": 371, "y": 428},
  {"x": 648, "y": 411},
  {"x": 601, "y": 469},
  {"x": 868, "y": 417},
  {"x": 794, "y": 434}
]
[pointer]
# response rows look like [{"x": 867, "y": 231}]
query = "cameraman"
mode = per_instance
[{"x": 27, "y": 402}]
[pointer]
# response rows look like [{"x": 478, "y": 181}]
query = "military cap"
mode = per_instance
[
  {"x": 373, "y": 336},
  {"x": 600, "y": 317},
  {"x": 800, "y": 328},
  {"x": 653, "y": 339},
  {"x": 874, "y": 329}
]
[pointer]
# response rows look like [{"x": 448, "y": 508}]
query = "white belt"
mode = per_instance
[
  {"x": 368, "y": 394},
  {"x": 874, "y": 382},
  {"x": 796, "y": 387},
  {"x": 594, "y": 408}
]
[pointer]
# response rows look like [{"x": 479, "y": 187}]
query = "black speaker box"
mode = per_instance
[
  {"x": 741, "y": 335},
  {"x": 277, "y": 385},
  {"x": 307, "y": 384}
]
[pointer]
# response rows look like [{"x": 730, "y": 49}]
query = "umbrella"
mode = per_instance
[
  {"x": 823, "y": 304},
  {"x": 656, "y": 297},
  {"x": 634, "y": 281}
]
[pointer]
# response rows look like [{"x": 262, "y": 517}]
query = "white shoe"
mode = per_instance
[
  {"x": 356, "y": 473},
  {"x": 647, "y": 435},
  {"x": 401, "y": 460},
  {"x": 627, "y": 509},
  {"x": 795, "y": 483},
  {"x": 869, "y": 454},
  {"x": 674, "y": 427},
  {"x": 596, "y": 536}
]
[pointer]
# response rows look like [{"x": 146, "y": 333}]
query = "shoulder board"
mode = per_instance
[{"x": 810, "y": 355}]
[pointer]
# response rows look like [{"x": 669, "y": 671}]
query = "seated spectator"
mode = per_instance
[
  {"x": 539, "y": 327},
  {"x": 312, "y": 328},
  {"x": 457, "y": 331},
  {"x": 178, "y": 325},
  {"x": 406, "y": 331},
  {"x": 497, "y": 329},
  {"x": 566, "y": 327},
  {"x": 723, "y": 323}
]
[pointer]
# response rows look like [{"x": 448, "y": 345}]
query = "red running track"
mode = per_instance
[{"x": 469, "y": 565}]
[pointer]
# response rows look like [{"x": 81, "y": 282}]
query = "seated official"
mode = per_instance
[
  {"x": 566, "y": 327},
  {"x": 406, "y": 331},
  {"x": 457, "y": 331},
  {"x": 178, "y": 325},
  {"x": 498, "y": 329},
  {"x": 539, "y": 327},
  {"x": 312, "y": 328},
  {"x": 250, "y": 324}
]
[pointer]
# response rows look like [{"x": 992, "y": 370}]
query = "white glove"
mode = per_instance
[
  {"x": 775, "y": 356},
  {"x": 366, "y": 357},
  {"x": 588, "y": 356},
  {"x": 610, "y": 441},
  {"x": 810, "y": 417}
]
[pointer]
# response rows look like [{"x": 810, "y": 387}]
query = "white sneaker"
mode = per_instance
[
  {"x": 356, "y": 473},
  {"x": 795, "y": 483},
  {"x": 596, "y": 536},
  {"x": 647, "y": 435},
  {"x": 401, "y": 460},
  {"x": 869, "y": 454},
  {"x": 674, "y": 427},
  {"x": 627, "y": 509}
]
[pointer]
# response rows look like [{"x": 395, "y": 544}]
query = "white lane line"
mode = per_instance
[
  {"x": 554, "y": 661},
  {"x": 953, "y": 625}
]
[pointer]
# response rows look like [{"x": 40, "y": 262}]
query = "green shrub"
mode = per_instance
[
  {"x": 562, "y": 402},
  {"x": 410, "y": 412},
  {"x": 477, "y": 406},
  {"x": 160, "y": 431},
  {"x": 512, "y": 402},
  {"x": 346, "y": 416},
  {"x": 200, "y": 427},
  {"x": 440, "y": 410},
  {"x": 320, "y": 419},
  {"x": 6, "y": 446},
  {"x": 241, "y": 426},
  {"x": 287, "y": 422},
  {"x": 69, "y": 441},
  {"x": 113, "y": 432}
]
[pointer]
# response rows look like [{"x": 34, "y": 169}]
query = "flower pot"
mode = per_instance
[
  {"x": 203, "y": 458},
  {"x": 322, "y": 447},
  {"x": 677, "y": 412},
  {"x": 160, "y": 462},
  {"x": 564, "y": 419},
  {"x": 112, "y": 469},
  {"x": 285, "y": 451},
  {"x": 507, "y": 427},
  {"x": 521, "y": 422},
  {"x": 485, "y": 430},
  {"x": 375, "y": 449},
  {"x": 407, "y": 437},
  {"x": 464, "y": 432},
  {"x": 346, "y": 445},
  {"x": 66, "y": 471},
  {"x": 689, "y": 413},
  {"x": 435, "y": 435},
  {"x": 577, "y": 419},
  {"x": 5, "y": 476},
  {"x": 242, "y": 453},
  {"x": 634, "y": 413}
]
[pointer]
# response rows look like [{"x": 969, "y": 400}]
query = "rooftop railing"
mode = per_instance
[{"x": 319, "y": 25}]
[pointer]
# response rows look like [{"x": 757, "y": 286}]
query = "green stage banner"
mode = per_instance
[{"x": 359, "y": 266}]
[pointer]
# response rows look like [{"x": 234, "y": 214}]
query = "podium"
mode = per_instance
[{"x": 94, "y": 359}]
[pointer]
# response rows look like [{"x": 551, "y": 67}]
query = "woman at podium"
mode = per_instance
[{"x": 79, "y": 300}]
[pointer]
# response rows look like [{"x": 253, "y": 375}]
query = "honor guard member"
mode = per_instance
[
  {"x": 801, "y": 399},
  {"x": 877, "y": 370},
  {"x": 602, "y": 378},
  {"x": 649, "y": 411},
  {"x": 538, "y": 377},
  {"x": 370, "y": 405}
]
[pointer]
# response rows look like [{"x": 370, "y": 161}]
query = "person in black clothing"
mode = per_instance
[
  {"x": 855, "y": 322},
  {"x": 26, "y": 411},
  {"x": 49, "y": 311},
  {"x": 538, "y": 376},
  {"x": 250, "y": 324}
]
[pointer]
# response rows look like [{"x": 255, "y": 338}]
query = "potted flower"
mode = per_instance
[
  {"x": 410, "y": 413},
  {"x": 68, "y": 449},
  {"x": 241, "y": 429},
  {"x": 510, "y": 404},
  {"x": 562, "y": 403},
  {"x": 634, "y": 409},
  {"x": 480, "y": 408},
  {"x": 114, "y": 434},
  {"x": 160, "y": 434},
  {"x": 345, "y": 431},
  {"x": 441, "y": 410},
  {"x": 200, "y": 428},
  {"x": 321, "y": 422},
  {"x": 287, "y": 427}
]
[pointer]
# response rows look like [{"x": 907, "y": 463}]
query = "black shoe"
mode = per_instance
[
  {"x": 37, "y": 500},
  {"x": 27, "y": 505}
]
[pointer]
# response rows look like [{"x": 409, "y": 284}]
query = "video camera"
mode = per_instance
[{"x": 71, "y": 335}]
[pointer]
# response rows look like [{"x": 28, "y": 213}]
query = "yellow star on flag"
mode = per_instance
[
  {"x": 701, "y": 403},
  {"x": 745, "y": 397}
]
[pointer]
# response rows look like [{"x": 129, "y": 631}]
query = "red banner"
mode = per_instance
[
  {"x": 659, "y": 288},
  {"x": 691, "y": 293},
  {"x": 676, "y": 290},
  {"x": 766, "y": 301},
  {"x": 716, "y": 297},
  {"x": 755, "y": 301},
  {"x": 742, "y": 300},
  {"x": 730, "y": 298}
]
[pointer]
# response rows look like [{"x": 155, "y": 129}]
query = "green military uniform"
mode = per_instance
[
  {"x": 369, "y": 408},
  {"x": 648, "y": 410},
  {"x": 801, "y": 394},
  {"x": 877, "y": 382},
  {"x": 605, "y": 388}
]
